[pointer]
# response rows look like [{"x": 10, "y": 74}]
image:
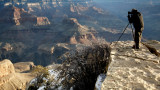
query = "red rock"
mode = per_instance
[{"x": 42, "y": 21}]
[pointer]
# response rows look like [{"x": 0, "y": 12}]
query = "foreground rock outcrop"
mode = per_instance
[
  {"x": 24, "y": 66},
  {"x": 79, "y": 71},
  {"x": 10, "y": 79},
  {"x": 132, "y": 69},
  {"x": 6, "y": 68}
]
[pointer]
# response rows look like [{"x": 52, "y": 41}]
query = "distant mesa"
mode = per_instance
[
  {"x": 71, "y": 21},
  {"x": 18, "y": 16},
  {"x": 21, "y": 1},
  {"x": 18, "y": 2},
  {"x": 42, "y": 21},
  {"x": 81, "y": 33}
]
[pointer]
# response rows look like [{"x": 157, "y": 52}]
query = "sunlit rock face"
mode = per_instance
[
  {"x": 42, "y": 21},
  {"x": 12, "y": 76},
  {"x": 6, "y": 68},
  {"x": 21, "y": 67},
  {"x": 81, "y": 33},
  {"x": 18, "y": 16}
]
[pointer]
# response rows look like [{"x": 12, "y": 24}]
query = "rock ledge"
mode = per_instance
[{"x": 133, "y": 69}]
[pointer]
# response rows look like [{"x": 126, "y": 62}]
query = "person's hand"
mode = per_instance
[
  {"x": 129, "y": 18},
  {"x": 129, "y": 12}
]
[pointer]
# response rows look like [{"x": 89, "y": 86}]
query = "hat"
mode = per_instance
[{"x": 134, "y": 10}]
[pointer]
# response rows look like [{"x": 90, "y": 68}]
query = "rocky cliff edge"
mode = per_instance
[
  {"x": 10, "y": 79},
  {"x": 132, "y": 69}
]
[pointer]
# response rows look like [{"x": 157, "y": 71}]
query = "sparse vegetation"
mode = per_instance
[
  {"x": 82, "y": 67},
  {"x": 40, "y": 70},
  {"x": 41, "y": 74}
]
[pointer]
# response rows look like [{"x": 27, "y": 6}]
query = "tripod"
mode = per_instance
[{"x": 124, "y": 31}]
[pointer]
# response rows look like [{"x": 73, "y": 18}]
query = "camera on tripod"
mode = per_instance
[
  {"x": 130, "y": 12},
  {"x": 129, "y": 16}
]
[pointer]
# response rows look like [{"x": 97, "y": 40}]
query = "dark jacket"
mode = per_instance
[{"x": 137, "y": 19}]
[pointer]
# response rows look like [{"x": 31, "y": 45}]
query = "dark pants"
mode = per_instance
[{"x": 137, "y": 38}]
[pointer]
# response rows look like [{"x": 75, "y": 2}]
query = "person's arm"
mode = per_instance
[
  {"x": 130, "y": 19},
  {"x": 141, "y": 20}
]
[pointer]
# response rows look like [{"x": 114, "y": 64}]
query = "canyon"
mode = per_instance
[{"x": 42, "y": 32}]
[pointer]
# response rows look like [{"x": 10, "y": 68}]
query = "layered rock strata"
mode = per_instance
[{"x": 11, "y": 79}]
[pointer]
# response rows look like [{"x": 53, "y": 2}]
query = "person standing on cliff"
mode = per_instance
[{"x": 136, "y": 19}]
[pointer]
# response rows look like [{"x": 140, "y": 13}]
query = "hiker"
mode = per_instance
[{"x": 136, "y": 19}]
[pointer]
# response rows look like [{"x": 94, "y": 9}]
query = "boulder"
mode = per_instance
[
  {"x": 11, "y": 80},
  {"x": 6, "y": 68},
  {"x": 24, "y": 66}
]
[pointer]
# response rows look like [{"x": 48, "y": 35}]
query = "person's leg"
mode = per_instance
[
  {"x": 134, "y": 46},
  {"x": 140, "y": 36},
  {"x": 137, "y": 39}
]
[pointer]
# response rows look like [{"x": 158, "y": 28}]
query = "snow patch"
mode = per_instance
[
  {"x": 42, "y": 88},
  {"x": 99, "y": 82}
]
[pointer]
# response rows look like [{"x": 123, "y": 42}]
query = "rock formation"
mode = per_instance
[
  {"x": 45, "y": 31},
  {"x": 42, "y": 21},
  {"x": 23, "y": 66},
  {"x": 80, "y": 33},
  {"x": 6, "y": 68},
  {"x": 79, "y": 71},
  {"x": 41, "y": 46},
  {"x": 10, "y": 79},
  {"x": 133, "y": 69},
  {"x": 28, "y": 26},
  {"x": 18, "y": 16}
]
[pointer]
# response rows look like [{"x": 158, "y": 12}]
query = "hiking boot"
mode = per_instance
[{"x": 134, "y": 47}]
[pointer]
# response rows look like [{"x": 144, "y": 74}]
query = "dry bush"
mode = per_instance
[
  {"x": 82, "y": 67},
  {"x": 80, "y": 70},
  {"x": 41, "y": 73},
  {"x": 40, "y": 70}
]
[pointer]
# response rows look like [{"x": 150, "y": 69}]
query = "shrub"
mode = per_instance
[
  {"x": 82, "y": 67},
  {"x": 41, "y": 73}
]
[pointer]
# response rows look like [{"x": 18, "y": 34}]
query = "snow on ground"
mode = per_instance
[
  {"x": 54, "y": 73},
  {"x": 42, "y": 88},
  {"x": 56, "y": 84},
  {"x": 99, "y": 82}
]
